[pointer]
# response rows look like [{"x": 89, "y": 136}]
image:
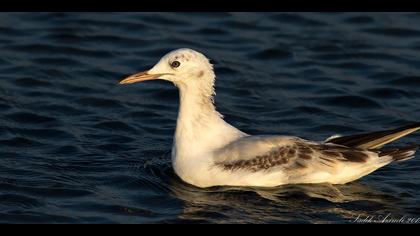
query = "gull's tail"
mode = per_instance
[
  {"x": 399, "y": 154},
  {"x": 377, "y": 139}
]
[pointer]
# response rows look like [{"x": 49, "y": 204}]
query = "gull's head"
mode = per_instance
[{"x": 184, "y": 67}]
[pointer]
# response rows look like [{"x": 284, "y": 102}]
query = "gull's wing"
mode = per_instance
[
  {"x": 256, "y": 153},
  {"x": 294, "y": 155},
  {"x": 374, "y": 140}
]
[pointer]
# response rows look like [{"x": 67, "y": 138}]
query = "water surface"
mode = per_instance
[{"x": 77, "y": 148}]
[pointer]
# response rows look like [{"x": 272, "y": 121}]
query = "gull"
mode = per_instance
[{"x": 207, "y": 151}]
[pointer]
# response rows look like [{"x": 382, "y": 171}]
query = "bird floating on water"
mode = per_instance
[{"x": 207, "y": 151}]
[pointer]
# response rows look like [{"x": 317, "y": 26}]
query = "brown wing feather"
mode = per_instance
[
  {"x": 376, "y": 139},
  {"x": 297, "y": 156}
]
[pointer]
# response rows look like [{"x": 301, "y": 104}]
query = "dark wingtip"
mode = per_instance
[{"x": 360, "y": 139}]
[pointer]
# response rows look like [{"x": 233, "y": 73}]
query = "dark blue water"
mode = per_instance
[{"x": 77, "y": 148}]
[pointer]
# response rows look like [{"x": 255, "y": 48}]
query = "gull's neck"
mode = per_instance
[{"x": 200, "y": 128}]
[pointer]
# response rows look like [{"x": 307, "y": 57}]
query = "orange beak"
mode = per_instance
[{"x": 139, "y": 77}]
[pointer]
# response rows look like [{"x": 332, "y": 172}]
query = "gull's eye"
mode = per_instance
[{"x": 175, "y": 64}]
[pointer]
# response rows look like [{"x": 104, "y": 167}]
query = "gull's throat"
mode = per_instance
[
  {"x": 200, "y": 128},
  {"x": 196, "y": 109}
]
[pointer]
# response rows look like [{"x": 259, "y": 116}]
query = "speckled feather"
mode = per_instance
[{"x": 299, "y": 155}]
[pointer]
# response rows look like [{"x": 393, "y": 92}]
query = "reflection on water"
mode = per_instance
[{"x": 290, "y": 203}]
